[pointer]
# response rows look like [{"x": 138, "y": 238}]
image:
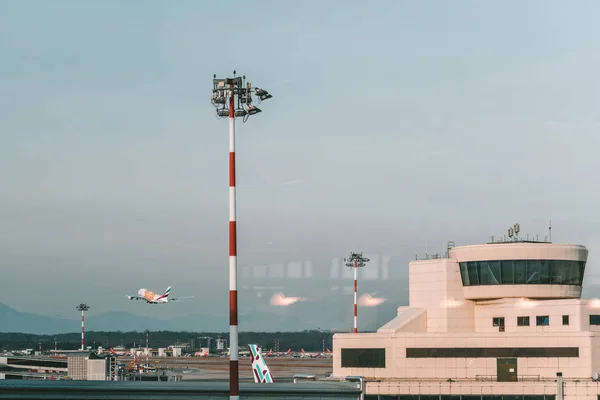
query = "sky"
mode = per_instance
[{"x": 395, "y": 127}]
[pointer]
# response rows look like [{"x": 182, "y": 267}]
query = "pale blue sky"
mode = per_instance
[{"x": 400, "y": 124}]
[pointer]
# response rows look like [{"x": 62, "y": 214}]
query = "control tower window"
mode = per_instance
[{"x": 522, "y": 272}]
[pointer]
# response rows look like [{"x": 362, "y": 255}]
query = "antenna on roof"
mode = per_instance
[
  {"x": 512, "y": 236},
  {"x": 550, "y": 231}
]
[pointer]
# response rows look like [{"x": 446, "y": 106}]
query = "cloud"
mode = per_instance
[
  {"x": 594, "y": 303},
  {"x": 366, "y": 300},
  {"x": 279, "y": 300}
]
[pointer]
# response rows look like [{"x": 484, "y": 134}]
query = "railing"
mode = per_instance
[
  {"x": 520, "y": 378},
  {"x": 434, "y": 256}
]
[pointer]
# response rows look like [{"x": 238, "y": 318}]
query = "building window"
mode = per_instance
[
  {"x": 492, "y": 352},
  {"x": 499, "y": 322},
  {"x": 363, "y": 358},
  {"x": 565, "y": 320},
  {"x": 522, "y": 321},
  {"x": 522, "y": 272},
  {"x": 594, "y": 319},
  {"x": 542, "y": 320}
]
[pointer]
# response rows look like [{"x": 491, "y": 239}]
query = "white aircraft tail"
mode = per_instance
[
  {"x": 166, "y": 294},
  {"x": 259, "y": 366}
]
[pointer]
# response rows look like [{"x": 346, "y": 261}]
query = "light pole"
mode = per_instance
[
  {"x": 355, "y": 261},
  {"x": 147, "y": 350},
  {"x": 232, "y": 97},
  {"x": 83, "y": 308},
  {"x": 323, "y": 342}
]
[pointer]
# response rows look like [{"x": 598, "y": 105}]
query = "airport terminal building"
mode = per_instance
[{"x": 499, "y": 320}]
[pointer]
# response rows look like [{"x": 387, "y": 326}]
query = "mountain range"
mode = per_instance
[{"x": 12, "y": 320}]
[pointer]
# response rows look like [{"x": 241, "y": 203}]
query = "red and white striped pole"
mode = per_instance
[
  {"x": 83, "y": 308},
  {"x": 355, "y": 304},
  {"x": 355, "y": 261},
  {"x": 82, "y": 331},
  {"x": 224, "y": 93},
  {"x": 234, "y": 385},
  {"x": 147, "y": 351}
]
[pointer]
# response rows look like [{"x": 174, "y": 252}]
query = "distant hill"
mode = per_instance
[{"x": 16, "y": 321}]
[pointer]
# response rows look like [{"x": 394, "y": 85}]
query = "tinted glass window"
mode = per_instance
[
  {"x": 492, "y": 352},
  {"x": 363, "y": 358},
  {"x": 464, "y": 273},
  {"x": 594, "y": 319},
  {"x": 507, "y": 272},
  {"x": 522, "y": 272},
  {"x": 534, "y": 269},
  {"x": 473, "y": 278}
]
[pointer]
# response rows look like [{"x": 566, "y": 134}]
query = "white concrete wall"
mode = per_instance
[
  {"x": 510, "y": 309},
  {"x": 595, "y": 358},
  {"x": 436, "y": 285},
  {"x": 97, "y": 370},
  {"x": 398, "y": 366},
  {"x": 485, "y": 292}
]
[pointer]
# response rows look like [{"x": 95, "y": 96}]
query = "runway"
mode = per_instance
[{"x": 215, "y": 368}]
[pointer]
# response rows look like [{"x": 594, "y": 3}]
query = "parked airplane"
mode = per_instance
[
  {"x": 278, "y": 353},
  {"x": 119, "y": 352},
  {"x": 259, "y": 366},
  {"x": 310, "y": 355},
  {"x": 153, "y": 298},
  {"x": 328, "y": 353}
]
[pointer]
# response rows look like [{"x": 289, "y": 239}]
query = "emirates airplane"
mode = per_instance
[{"x": 153, "y": 298}]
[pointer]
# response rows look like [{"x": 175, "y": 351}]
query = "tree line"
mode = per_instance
[{"x": 309, "y": 340}]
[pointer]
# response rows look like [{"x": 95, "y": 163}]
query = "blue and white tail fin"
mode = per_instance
[{"x": 259, "y": 366}]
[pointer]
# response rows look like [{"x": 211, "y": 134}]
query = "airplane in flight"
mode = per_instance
[{"x": 153, "y": 298}]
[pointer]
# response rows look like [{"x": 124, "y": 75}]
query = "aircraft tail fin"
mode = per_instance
[
  {"x": 166, "y": 293},
  {"x": 259, "y": 366}
]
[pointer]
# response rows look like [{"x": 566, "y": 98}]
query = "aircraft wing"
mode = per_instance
[{"x": 181, "y": 297}]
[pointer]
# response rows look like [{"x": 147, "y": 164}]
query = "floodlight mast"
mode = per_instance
[
  {"x": 82, "y": 307},
  {"x": 232, "y": 97},
  {"x": 355, "y": 261},
  {"x": 147, "y": 351}
]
